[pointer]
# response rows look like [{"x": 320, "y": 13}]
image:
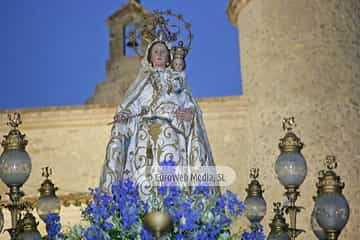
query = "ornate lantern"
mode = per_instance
[
  {"x": 290, "y": 166},
  {"x": 15, "y": 163},
  {"x": 255, "y": 203},
  {"x": 291, "y": 171},
  {"x": 331, "y": 207},
  {"x": 15, "y": 168},
  {"x": 278, "y": 226},
  {"x": 28, "y": 228},
  {"x": 48, "y": 201}
]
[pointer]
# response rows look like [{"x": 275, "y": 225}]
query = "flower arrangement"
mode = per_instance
[
  {"x": 202, "y": 214},
  {"x": 199, "y": 215}
]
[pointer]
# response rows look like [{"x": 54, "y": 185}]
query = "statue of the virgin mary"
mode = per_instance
[{"x": 157, "y": 121}]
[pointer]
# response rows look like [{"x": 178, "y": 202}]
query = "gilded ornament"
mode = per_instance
[
  {"x": 290, "y": 142},
  {"x": 329, "y": 182},
  {"x": 14, "y": 140}
]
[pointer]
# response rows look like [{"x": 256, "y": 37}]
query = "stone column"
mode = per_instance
[{"x": 302, "y": 59}]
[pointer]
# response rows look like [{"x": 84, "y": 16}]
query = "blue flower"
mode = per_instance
[
  {"x": 199, "y": 215},
  {"x": 167, "y": 169},
  {"x": 100, "y": 209},
  {"x": 220, "y": 203},
  {"x": 202, "y": 189},
  {"x": 53, "y": 226},
  {"x": 256, "y": 234},
  {"x": 180, "y": 236},
  {"x": 162, "y": 190},
  {"x": 145, "y": 235},
  {"x": 107, "y": 226},
  {"x": 234, "y": 205},
  {"x": 168, "y": 163}
]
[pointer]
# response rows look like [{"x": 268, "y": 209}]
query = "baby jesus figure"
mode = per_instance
[{"x": 178, "y": 86}]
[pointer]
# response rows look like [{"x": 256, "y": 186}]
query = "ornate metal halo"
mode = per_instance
[{"x": 163, "y": 26}]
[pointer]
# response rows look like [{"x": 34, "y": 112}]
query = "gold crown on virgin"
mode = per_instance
[{"x": 168, "y": 27}]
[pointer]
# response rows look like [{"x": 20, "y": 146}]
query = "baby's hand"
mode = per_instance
[
  {"x": 178, "y": 91},
  {"x": 185, "y": 114}
]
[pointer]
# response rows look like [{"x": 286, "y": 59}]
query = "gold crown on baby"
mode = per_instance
[
  {"x": 179, "y": 51},
  {"x": 162, "y": 26}
]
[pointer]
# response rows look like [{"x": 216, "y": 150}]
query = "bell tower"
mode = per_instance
[{"x": 123, "y": 62}]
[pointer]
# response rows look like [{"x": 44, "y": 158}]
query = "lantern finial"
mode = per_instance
[
  {"x": 14, "y": 120},
  {"x": 46, "y": 172},
  {"x": 288, "y": 124},
  {"x": 331, "y": 162},
  {"x": 254, "y": 173}
]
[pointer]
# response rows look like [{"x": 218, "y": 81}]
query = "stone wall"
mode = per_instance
[
  {"x": 72, "y": 140},
  {"x": 302, "y": 59}
]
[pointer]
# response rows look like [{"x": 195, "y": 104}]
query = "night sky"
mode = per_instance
[{"x": 53, "y": 52}]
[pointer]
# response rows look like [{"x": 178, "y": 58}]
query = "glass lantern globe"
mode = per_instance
[
  {"x": 15, "y": 163},
  {"x": 29, "y": 235},
  {"x": 48, "y": 201},
  {"x": 278, "y": 236},
  {"x": 29, "y": 228},
  {"x": 332, "y": 211},
  {"x": 318, "y": 231},
  {"x": 15, "y": 167},
  {"x": 46, "y": 205},
  {"x": 291, "y": 168},
  {"x": 255, "y": 208}
]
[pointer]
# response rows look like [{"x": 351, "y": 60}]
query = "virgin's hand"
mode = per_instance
[
  {"x": 144, "y": 110},
  {"x": 121, "y": 116}
]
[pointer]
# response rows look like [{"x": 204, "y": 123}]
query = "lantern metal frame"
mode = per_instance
[
  {"x": 330, "y": 182},
  {"x": 291, "y": 143},
  {"x": 254, "y": 190},
  {"x": 278, "y": 224},
  {"x": 47, "y": 191},
  {"x": 15, "y": 140}
]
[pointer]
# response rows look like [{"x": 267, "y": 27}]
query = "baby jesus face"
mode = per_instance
[{"x": 178, "y": 64}]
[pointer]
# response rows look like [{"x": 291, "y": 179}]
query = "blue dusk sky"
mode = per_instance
[{"x": 53, "y": 52}]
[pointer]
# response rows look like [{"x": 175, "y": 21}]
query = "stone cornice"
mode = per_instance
[
  {"x": 66, "y": 200},
  {"x": 99, "y": 115},
  {"x": 234, "y": 8},
  {"x": 201, "y": 101}
]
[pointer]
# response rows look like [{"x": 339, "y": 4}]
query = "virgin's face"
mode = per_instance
[{"x": 159, "y": 55}]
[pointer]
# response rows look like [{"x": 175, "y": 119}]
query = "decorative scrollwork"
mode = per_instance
[
  {"x": 288, "y": 124},
  {"x": 46, "y": 172},
  {"x": 331, "y": 162},
  {"x": 14, "y": 120},
  {"x": 254, "y": 173}
]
